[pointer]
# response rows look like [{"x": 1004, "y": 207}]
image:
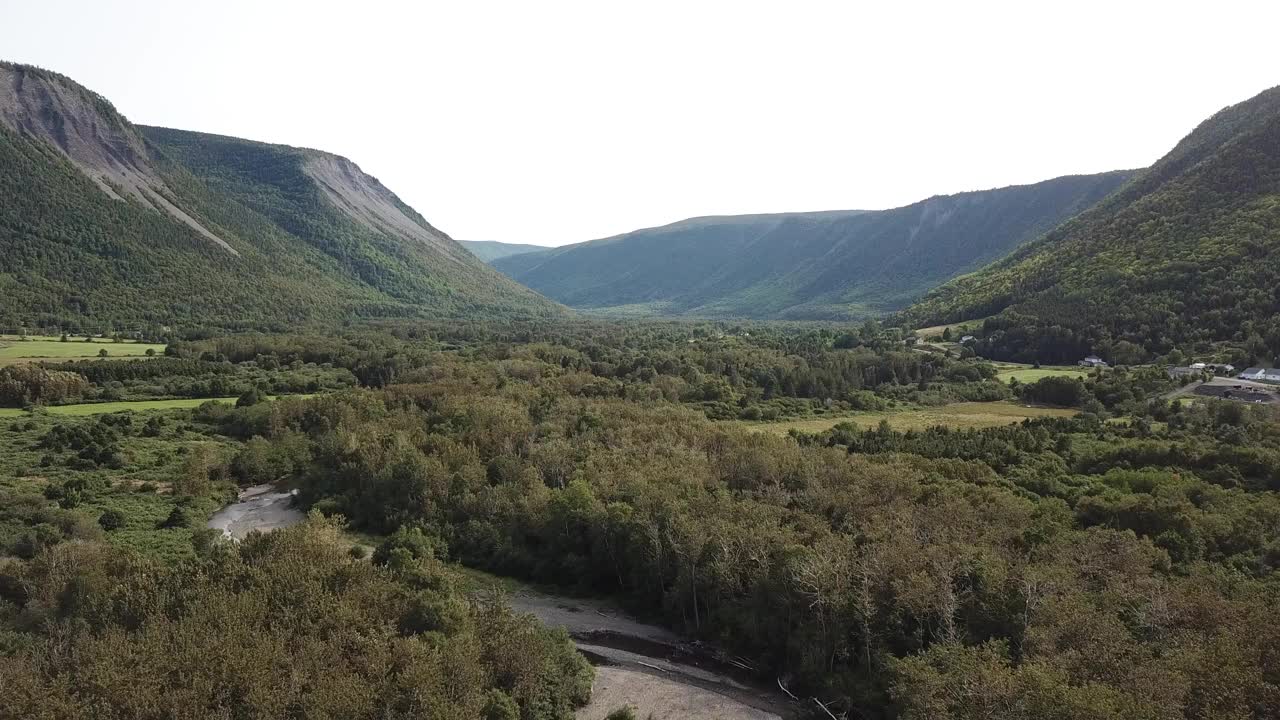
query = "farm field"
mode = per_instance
[
  {"x": 957, "y": 329},
  {"x": 959, "y": 415},
  {"x": 1030, "y": 374},
  {"x": 14, "y": 350},
  {"x": 83, "y": 409},
  {"x": 135, "y": 405}
]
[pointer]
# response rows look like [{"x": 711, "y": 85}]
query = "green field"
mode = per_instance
[
  {"x": 15, "y": 350},
  {"x": 959, "y": 415},
  {"x": 135, "y": 405},
  {"x": 1030, "y": 374},
  {"x": 957, "y": 329},
  {"x": 83, "y": 409}
]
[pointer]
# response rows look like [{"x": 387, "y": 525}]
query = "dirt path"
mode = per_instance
[
  {"x": 651, "y": 668},
  {"x": 260, "y": 507}
]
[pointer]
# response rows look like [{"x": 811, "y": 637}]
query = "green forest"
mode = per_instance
[{"x": 1118, "y": 563}]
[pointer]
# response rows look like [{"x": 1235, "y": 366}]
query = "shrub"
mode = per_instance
[
  {"x": 111, "y": 520},
  {"x": 177, "y": 519},
  {"x": 499, "y": 706}
]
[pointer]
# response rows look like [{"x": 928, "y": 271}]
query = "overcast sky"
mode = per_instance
[{"x": 555, "y": 122}]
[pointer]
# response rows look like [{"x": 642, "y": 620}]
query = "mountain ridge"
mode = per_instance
[
  {"x": 110, "y": 223},
  {"x": 1183, "y": 254},
  {"x": 490, "y": 250},
  {"x": 827, "y": 265}
]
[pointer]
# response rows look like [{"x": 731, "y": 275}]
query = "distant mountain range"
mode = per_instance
[
  {"x": 490, "y": 250},
  {"x": 1185, "y": 254},
  {"x": 836, "y": 265},
  {"x": 104, "y": 223}
]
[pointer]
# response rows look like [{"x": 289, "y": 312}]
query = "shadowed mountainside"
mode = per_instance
[
  {"x": 830, "y": 265},
  {"x": 1185, "y": 253}
]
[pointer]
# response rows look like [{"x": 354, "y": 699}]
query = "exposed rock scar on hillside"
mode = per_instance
[
  {"x": 92, "y": 136},
  {"x": 370, "y": 203}
]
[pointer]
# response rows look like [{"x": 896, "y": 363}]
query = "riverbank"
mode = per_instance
[{"x": 261, "y": 507}]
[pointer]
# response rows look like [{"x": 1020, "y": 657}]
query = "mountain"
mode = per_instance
[
  {"x": 1186, "y": 254},
  {"x": 825, "y": 265},
  {"x": 490, "y": 250},
  {"x": 105, "y": 223}
]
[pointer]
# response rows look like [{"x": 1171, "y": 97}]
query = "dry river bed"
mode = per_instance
[
  {"x": 644, "y": 666},
  {"x": 649, "y": 667}
]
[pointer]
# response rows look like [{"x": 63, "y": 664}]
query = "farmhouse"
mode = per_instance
[
  {"x": 1093, "y": 361},
  {"x": 1268, "y": 374}
]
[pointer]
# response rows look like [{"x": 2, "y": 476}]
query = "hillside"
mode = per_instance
[
  {"x": 107, "y": 224},
  {"x": 490, "y": 250},
  {"x": 831, "y": 265},
  {"x": 1186, "y": 254}
]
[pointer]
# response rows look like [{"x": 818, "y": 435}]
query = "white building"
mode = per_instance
[
  {"x": 1267, "y": 374},
  {"x": 1197, "y": 366},
  {"x": 1093, "y": 361}
]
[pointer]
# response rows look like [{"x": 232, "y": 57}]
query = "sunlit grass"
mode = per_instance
[
  {"x": 1030, "y": 374},
  {"x": 965, "y": 415},
  {"x": 82, "y": 409},
  {"x": 16, "y": 350}
]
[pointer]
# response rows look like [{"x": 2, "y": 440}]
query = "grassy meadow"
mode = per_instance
[
  {"x": 965, "y": 415},
  {"x": 83, "y": 409},
  {"x": 1029, "y": 373},
  {"x": 139, "y": 488},
  {"x": 100, "y": 408},
  {"x": 15, "y": 349}
]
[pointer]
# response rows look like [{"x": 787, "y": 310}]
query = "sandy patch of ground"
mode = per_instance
[
  {"x": 260, "y": 507},
  {"x": 662, "y": 698},
  {"x": 649, "y": 667}
]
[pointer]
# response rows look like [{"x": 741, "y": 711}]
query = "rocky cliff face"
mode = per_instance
[
  {"x": 108, "y": 222},
  {"x": 91, "y": 134},
  {"x": 367, "y": 201}
]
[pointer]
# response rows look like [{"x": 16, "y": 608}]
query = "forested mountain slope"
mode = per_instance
[
  {"x": 107, "y": 224},
  {"x": 833, "y": 265},
  {"x": 1187, "y": 253},
  {"x": 490, "y": 250}
]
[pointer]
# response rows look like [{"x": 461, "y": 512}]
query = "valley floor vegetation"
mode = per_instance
[{"x": 1115, "y": 558}]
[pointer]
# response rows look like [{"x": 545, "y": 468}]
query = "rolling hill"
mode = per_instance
[
  {"x": 108, "y": 224},
  {"x": 1186, "y": 254},
  {"x": 490, "y": 250},
  {"x": 824, "y": 265}
]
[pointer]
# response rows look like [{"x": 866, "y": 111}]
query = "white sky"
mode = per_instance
[{"x": 555, "y": 122}]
